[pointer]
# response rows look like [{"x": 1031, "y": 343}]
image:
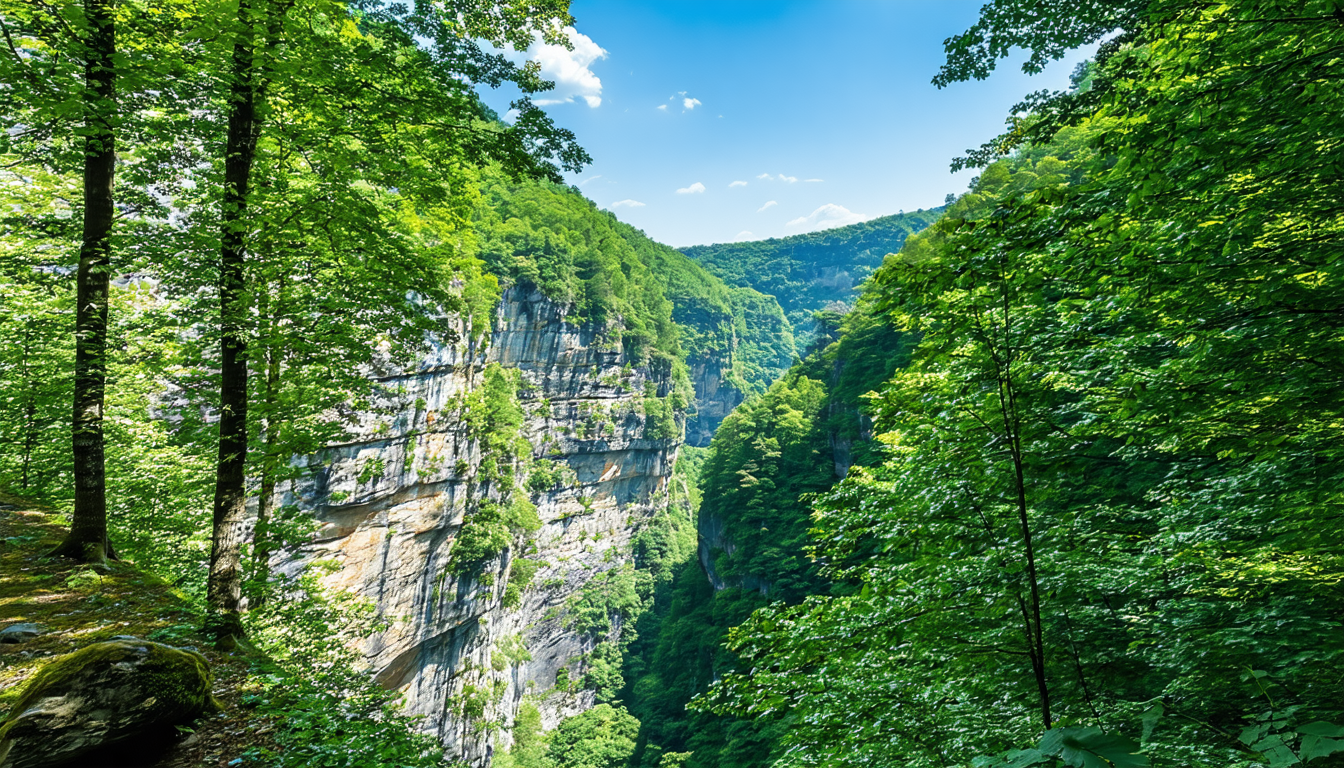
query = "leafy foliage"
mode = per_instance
[
  {"x": 767, "y": 456},
  {"x": 1099, "y": 524},
  {"x": 601, "y": 737},
  {"x": 329, "y": 712},
  {"x": 529, "y": 742},
  {"x": 605, "y": 602},
  {"x": 546, "y": 236},
  {"x": 494, "y": 417}
]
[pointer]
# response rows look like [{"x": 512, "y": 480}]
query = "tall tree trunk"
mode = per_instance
[
  {"x": 30, "y": 408},
  {"x": 1035, "y": 634},
  {"x": 87, "y": 540},
  {"x": 1012, "y": 422},
  {"x": 262, "y": 543},
  {"x": 30, "y": 434},
  {"x": 224, "y": 589}
]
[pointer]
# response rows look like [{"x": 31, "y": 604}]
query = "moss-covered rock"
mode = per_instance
[{"x": 100, "y": 696}]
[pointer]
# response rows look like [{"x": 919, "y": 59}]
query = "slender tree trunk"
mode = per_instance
[
  {"x": 1013, "y": 427},
  {"x": 1036, "y": 637},
  {"x": 224, "y": 589},
  {"x": 30, "y": 408},
  {"x": 261, "y": 532},
  {"x": 30, "y": 434},
  {"x": 87, "y": 540}
]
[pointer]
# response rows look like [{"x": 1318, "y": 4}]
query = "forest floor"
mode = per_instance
[{"x": 79, "y": 605}]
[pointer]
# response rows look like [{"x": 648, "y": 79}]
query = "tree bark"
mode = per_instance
[
  {"x": 224, "y": 588},
  {"x": 30, "y": 435},
  {"x": 1013, "y": 427},
  {"x": 262, "y": 543},
  {"x": 87, "y": 540},
  {"x": 30, "y": 409}
]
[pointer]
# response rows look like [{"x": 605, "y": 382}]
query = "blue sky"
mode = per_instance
[{"x": 743, "y": 119}]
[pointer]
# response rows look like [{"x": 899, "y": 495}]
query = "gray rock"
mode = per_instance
[
  {"x": 101, "y": 696},
  {"x": 393, "y": 529},
  {"x": 21, "y": 633}
]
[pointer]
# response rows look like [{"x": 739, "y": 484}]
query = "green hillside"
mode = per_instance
[
  {"x": 807, "y": 272},
  {"x": 655, "y": 297},
  {"x": 767, "y": 458}
]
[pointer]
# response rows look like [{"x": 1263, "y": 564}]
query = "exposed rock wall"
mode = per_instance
[
  {"x": 391, "y": 503},
  {"x": 715, "y": 397}
]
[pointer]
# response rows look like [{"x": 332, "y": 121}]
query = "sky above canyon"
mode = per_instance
[{"x": 732, "y": 120}]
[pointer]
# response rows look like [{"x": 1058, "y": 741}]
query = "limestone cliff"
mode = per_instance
[
  {"x": 715, "y": 396},
  {"x": 392, "y": 503}
]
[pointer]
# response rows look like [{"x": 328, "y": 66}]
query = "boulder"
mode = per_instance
[
  {"x": 116, "y": 693},
  {"x": 21, "y": 632}
]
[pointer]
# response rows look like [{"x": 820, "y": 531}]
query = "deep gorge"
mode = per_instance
[{"x": 348, "y": 420}]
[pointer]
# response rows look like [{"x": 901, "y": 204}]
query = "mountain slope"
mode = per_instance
[
  {"x": 807, "y": 272},
  {"x": 734, "y": 341},
  {"x": 797, "y": 438}
]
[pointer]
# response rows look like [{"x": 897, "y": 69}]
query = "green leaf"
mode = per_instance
[
  {"x": 1318, "y": 746},
  {"x": 1150, "y": 719},
  {"x": 1321, "y": 728},
  {"x": 1090, "y": 748},
  {"x": 1018, "y": 758},
  {"x": 1280, "y": 756},
  {"x": 1252, "y": 733}
]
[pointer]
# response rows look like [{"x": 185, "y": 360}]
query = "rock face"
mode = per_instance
[
  {"x": 715, "y": 397},
  {"x": 101, "y": 696},
  {"x": 392, "y": 503}
]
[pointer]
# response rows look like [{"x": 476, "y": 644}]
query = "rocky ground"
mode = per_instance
[{"x": 75, "y": 605}]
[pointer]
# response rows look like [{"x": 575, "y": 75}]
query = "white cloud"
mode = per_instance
[
  {"x": 569, "y": 69},
  {"x": 589, "y": 180},
  {"x": 738, "y": 184},
  {"x": 626, "y": 204},
  {"x": 743, "y": 235},
  {"x": 827, "y": 216},
  {"x": 694, "y": 189},
  {"x": 780, "y": 177},
  {"x": 663, "y": 107},
  {"x": 765, "y": 176},
  {"x": 770, "y": 204},
  {"x": 687, "y": 103},
  {"x": 813, "y": 181}
]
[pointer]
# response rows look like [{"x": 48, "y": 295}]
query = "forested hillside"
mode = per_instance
[
  {"x": 733, "y": 341},
  {"x": 808, "y": 272},
  {"x": 798, "y": 438},
  {"x": 1099, "y": 532}
]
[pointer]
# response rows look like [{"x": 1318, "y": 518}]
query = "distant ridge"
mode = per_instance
[{"x": 809, "y": 271}]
